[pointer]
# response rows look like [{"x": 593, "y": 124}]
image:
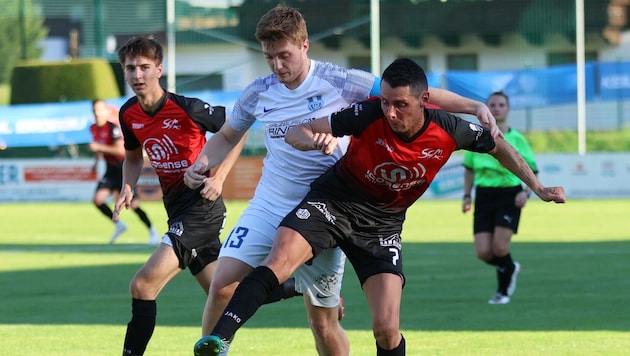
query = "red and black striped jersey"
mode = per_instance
[
  {"x": 391, "y": 173},
  {"x": 172, "y": 137},
  {"x": 108, "y": 134}
]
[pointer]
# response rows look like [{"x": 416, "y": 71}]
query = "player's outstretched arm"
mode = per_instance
[
  {"x": 213, "y": 185},
  {"x": 312, "y": 135},
  {"x": 456, "y": 103},
  {"x": 513, "y": 161},
  {"x": 132, "y": 168},
  {"x": 213, "y": 153}
]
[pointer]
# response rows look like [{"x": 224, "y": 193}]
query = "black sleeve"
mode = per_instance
[
  {"x": 131, "y": 141},
  {"x": 468, "y": 135},
  {"x": 208, "y": 118},
  {"x": 355, "y": 118}
]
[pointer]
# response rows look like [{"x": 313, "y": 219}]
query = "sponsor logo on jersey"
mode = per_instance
[
  {"x": 315, "y": 103},
  {"x": 137, "y": 126},
  {"x": 382, "y": 142},
  {"x": 391, "y": 241},
  {"x": 324, "y": 210},
  {"x": 265, "y": 110},
  {"x": 435, "y": 153},
  {"x": 397, "y": 177},
  {"x": 171, "y": 124},
  {"x": 160, "y": 152},
  {"x": 280, "y": 129}
]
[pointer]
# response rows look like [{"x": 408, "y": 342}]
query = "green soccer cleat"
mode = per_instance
[{"x": 211, "y": 345}]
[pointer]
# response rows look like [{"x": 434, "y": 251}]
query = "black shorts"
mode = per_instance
[
  {"x": 495, "y": 207},
  {"x": 371, "y": 241},
  {"x": 112, "y": 179},
  {"x": 195, "y": 235}
]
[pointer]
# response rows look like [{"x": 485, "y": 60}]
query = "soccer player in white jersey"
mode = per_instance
[{"x": 298, "y": 90}]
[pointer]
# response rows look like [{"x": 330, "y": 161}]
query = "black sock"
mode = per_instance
[
  {"x": 505, "y": 268},
  {"x": 140, "y": 328},
  {"x": 143, "y": 216},
  {"x": 284, "y": 291},
  {"x": 397, "y": 351},
  {"x": 493, "y": 261},
  {"x": 105, "y": 210},
  {"x": 250, "y": 294}
]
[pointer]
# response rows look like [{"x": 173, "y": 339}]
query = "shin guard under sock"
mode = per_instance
[
  {"x": 505, "y": 268},
  {"x": 141, "y": 326},
  {"x": 105, "y": 210},
  {"x": 397, "y": 351},
  {"x": 250, "y": 294},
  {"x": 143, "y": 216}
]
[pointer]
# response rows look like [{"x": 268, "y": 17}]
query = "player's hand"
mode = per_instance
[
  {"x": 466, "y": 204},
  {"x": 324, "y": 142},
  {"x": 520, "y": 199},
  {"x": 124, "y": 201},
  {"x": 555, "y": 194},
  {"x": 194, "y": 176},
  {"x": 485, "y": 117},
  {"x": 212, "y": 188},
  {"x": 94, "y": 146}
]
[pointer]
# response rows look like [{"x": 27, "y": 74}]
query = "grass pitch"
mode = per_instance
[{"x": 64, "y": 290}]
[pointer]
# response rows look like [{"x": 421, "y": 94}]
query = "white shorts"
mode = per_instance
[{"x": 250, "y": 241}]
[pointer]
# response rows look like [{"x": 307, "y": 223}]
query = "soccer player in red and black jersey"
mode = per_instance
[
  {"x": 171, "y": 129},
  {"x": 397, "y": 147},
  {"x": 107, "y": 143}
]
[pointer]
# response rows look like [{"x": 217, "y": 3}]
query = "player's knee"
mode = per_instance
[
  {"x": 141, "y": 289},
  {"x": 386, "y": 333},
  {"x": 220, "y": 291},
  {"x": 324, "y": 322},
  {"x": 485, "y": 255}
]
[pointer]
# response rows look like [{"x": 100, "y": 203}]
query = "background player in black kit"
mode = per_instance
[
  {"x": 171, "y": 129},
  {"x": 107, "y": 143},
  {"x": 397, "y": 148}
]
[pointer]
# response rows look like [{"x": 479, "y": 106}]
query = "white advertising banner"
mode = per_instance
[
  {"x": 594, "y": 175},
  {"x": 47, "y": 180}
]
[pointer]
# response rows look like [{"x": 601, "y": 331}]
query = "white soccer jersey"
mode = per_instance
[{"x": 288, "y": 172}]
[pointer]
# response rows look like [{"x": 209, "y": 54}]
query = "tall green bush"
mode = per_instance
[{"x": 46, "y": 82}]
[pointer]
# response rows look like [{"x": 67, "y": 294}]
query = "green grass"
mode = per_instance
[
  {"x": 5, "y": 94},
  {"x": 64, "y": 291}
]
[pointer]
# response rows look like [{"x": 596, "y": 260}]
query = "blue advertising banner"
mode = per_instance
[
  {"x": 526, "y": 87},
  {"x": 45, "y": 124},
  {"x": 614, "y": 80},
  {"x": 59, "y": 124}
]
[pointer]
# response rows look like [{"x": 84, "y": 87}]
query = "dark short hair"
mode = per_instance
[
  {"x": 141, "y": 46},
  {"x": 500, "y": 93},
  {"x": 406, "y": 72}
]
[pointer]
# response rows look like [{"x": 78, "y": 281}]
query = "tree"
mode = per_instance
[{"x": 21, "y": 30}]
